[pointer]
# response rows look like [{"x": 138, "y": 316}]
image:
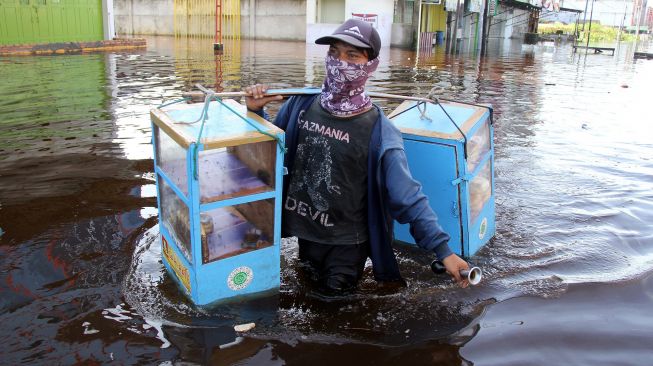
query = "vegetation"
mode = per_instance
[{"x": 599, "y": 33}]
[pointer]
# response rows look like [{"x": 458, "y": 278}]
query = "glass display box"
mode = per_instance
[
  {"x": 219, "y": 197},
  {"x": 452, "y": 155}
]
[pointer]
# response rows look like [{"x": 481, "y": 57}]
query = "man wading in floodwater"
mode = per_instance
[{"x": 348, "y": 173}]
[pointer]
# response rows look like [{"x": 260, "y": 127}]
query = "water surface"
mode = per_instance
[{"x": 567, "y": 277}]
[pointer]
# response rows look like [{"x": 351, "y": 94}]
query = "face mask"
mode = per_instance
[{"x": 343, "y": 91}]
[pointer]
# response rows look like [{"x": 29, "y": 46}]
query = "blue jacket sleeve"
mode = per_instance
[
  {"x": 408, "y": 204},
  {"x": 283, "y": 117},
  {"x": 261, "y": 113}
]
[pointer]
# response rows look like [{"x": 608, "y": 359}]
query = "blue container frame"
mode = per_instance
[
  {"x": 422, "y": 151},
  {"x": 209, "y": 282}
]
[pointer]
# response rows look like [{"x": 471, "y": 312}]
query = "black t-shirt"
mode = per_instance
[{"x": 327, "y": 195}]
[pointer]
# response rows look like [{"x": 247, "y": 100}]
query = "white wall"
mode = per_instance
[
  {"x": 564, "y": 17},
  {"x": 273, "y": 19},
  {"x": 383, "y": 8},
  {"x": 518, "y": 25},
  {"x": 261, "y": 19},
  {"x": 147, "y": 17},
  {"x": 402, "y": 35},
  {"x": 608, "y": 12},
  {"x": 514, "y": 24},
  {"x": 317, "y": 30}
]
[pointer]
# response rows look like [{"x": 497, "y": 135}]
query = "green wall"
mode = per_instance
[{"x": 46, "y": 21}]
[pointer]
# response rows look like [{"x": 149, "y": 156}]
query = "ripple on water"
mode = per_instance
[
  {"x": 573, "y": 167},
  {"x": 428, "y": 308}
]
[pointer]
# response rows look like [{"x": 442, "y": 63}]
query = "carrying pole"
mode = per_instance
[{"x": 200, "y": 95}]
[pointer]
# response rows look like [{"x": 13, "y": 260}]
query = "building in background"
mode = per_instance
[
  {"x": 606, "y": 12},
  {"x": 40, "y": 21},
  {"x": 401, "y": 23},
  {"x": 513, "y": 19},
  {"x": 324, "y": 16},
  {"x": 419, "y": 24}
]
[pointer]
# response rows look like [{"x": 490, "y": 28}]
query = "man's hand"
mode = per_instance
[
  {"x": 256, "y": 99},
  {"x": 454, "y": 264}
]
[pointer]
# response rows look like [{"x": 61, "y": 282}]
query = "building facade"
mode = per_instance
[
  {"x": 401, "y": 23},
  {"x": 39, "y": 21}
]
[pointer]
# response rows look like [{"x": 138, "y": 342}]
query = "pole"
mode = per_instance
[
  {"x": 585, "y": 14},
  {"x": 639, "y": 19},
  {"x": 449, "y": 31},
  {"x": 484, "y": 34},
  {"x": 576, "y": 28},
  {"x": 198, "y": 96},
  {"x": 454, "y": 44},
  {"x": 419, "y": 26},
  {"x": 217, "y": 43},
  {"x": 490, "y": 18},
  {"x": 589, "y": 29},
  {"x": 623, "y": 20},
  {"x": 480, "y": 26}
]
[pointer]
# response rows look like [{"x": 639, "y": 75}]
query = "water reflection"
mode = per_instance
[
  {"x": 80, "y": 250},
  {"x": 62, "y": 113}
]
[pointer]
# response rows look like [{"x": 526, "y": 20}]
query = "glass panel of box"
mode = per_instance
[
  {"x": 175, "y": 217},
  {"x": 477, "y": 146},
  {"x": 171, "y": 158},
  {"x": 236, "y": 171}
]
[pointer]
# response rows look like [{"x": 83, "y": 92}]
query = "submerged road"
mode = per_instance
[{"x": 567, "y": 279}]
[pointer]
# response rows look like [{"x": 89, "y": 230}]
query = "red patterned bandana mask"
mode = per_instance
[{"x": 343, "y": 91}]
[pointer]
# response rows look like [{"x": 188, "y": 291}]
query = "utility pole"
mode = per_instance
[
  {"x": 480, "y": 26},
  {"x": 623, "y": 20},
  {"x": 639, "y": 19},
  {"x": 576, "y": 27},
  {"x": 419, "y": 26},
  {"x": 484, "y": 34},
  {"x": 459, "y": 11},
  {"x": 585, "y": 14},
  {"x": 449, "y": 32},
  {"x": 491, "y": 10},
  {"x": 589, "y": 30},
  {"x": 217, "y": 42}
]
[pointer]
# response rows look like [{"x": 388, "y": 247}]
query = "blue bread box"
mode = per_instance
[
  {"x": 219, "y": 198},
  {"x": 452, "y": 155}
]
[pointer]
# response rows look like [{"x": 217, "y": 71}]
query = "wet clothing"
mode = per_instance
[
  {"x": 326, "y": 200},
  {"x": 335, "y": 268},
  {"x": 392, "y": 193}
]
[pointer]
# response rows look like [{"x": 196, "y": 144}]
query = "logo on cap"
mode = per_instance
[{"x": 354, "y": 30}]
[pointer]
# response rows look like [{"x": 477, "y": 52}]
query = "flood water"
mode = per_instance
[{"x": 567, "y": 279}]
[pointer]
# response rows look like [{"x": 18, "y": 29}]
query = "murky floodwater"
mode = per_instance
[{"x": 567, "y": 277}]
